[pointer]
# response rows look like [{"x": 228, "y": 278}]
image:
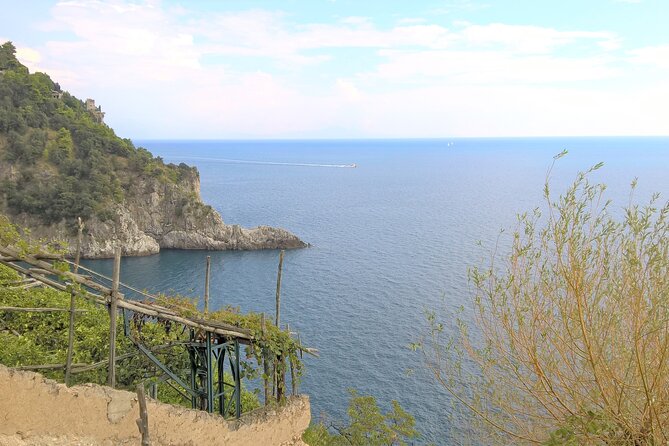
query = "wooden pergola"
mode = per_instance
[{"x": 212, "y": 345}]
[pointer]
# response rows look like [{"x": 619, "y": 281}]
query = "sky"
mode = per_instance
[{"x": 252, "y": 69}]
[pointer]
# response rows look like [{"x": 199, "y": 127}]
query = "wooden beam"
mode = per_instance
[
  {"x": 40, "y": 271},
  {"x": 47, "y": 267},
  {"x": 26, "y": 286},
  {"x": 48, "y": 256},
  {"x": 52, "y": 283},
  {"x": 206, "y": 285},
  {"x": 37, "y": 310}
]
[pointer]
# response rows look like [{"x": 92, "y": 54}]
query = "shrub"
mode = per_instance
[{"x": 571, "y": 336}]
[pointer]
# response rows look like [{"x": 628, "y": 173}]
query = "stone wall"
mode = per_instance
[{"x": 38, "y": 411}]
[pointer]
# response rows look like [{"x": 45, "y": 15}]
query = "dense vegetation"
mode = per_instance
[{"x": 65, "y": 164}]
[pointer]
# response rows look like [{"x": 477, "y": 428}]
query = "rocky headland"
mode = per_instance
[
  {"x": 158, "y": 215},
  {"x": 59, "y": 162}
]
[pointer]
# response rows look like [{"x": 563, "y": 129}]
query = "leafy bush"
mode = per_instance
[{"x": 367, "y": 426}]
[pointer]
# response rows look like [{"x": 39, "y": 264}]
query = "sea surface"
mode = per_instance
[{"x": 389, "y": 238}]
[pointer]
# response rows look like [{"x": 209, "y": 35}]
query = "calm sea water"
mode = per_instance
[{"x": 390, "y": 238}]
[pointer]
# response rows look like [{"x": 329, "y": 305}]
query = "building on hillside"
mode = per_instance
[
  {"x": 56, "y": 94},
  {"x": 96, "y": 112}
]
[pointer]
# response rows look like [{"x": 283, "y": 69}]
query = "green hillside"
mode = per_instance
[{"x": 58, "y": 161}]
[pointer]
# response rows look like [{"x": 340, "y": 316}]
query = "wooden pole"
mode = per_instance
[
  {"x": 143, "y": 420},
  {"x": 70, "y": 340},
  {"x": 280, "y": 378},
  {"x": 278, "y": 289},
  {"x": 293, "y": 379},
  {"x": 113, "y": 311},
  {"x": 80, "y": 236},
  {"x": 278, "y": 360},
  {"x": 265, "y": 363},
  {"x": 206, "y": 285}
]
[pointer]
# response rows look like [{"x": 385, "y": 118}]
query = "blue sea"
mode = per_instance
[{"x": 390, "y": 238}]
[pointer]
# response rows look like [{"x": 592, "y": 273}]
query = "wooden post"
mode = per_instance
[
  {"x": 278, "y": 289},
  {"x": 80, "y": 235},
  {"x": 265, "y": 363},
  {"x": 113, "y": 310},
  {"x": 279, "y": 366},
  {"x": 293, "y": 379},
  {"x": 280, "y": 378},
  {"x": 299, "y": 342},
  {"x": 206, "y": 285},
  {"x": 70, "y": 340},
  {"x": 143, "y": 420},
  {"x": 70, "y": 337}
]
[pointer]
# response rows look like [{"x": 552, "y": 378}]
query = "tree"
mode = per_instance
[
  {"x": 8, "y": 59},
  {"x": 368, "y": 426},
  {"x": 61, "y": 148},
  {"x": 571, "y": 337}
]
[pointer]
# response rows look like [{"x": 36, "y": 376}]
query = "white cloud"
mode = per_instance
[
  {"x": 490, "y": 67},
  {"x": 411, "y": 21},
  {"x": 512, "y": 111},
  {"x": 652, "y": 55},
  {"x": 30, "y": 57},
  {"x": 531, "y": 39},
  {"x": 163, "y": 71},
  {"x": 348, "y": 90}
]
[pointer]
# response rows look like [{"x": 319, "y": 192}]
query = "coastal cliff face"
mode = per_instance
[
  {"x": 158, "y": 215},
  {"x": 60, "y": 162}
]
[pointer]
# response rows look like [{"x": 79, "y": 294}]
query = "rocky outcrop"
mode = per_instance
[{"x": 156, "y": 215}]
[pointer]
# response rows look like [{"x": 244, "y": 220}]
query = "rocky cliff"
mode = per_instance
[{"x": 158, "y": 215}]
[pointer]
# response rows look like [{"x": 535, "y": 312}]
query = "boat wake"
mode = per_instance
[{"x": 267, "y": 163}]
